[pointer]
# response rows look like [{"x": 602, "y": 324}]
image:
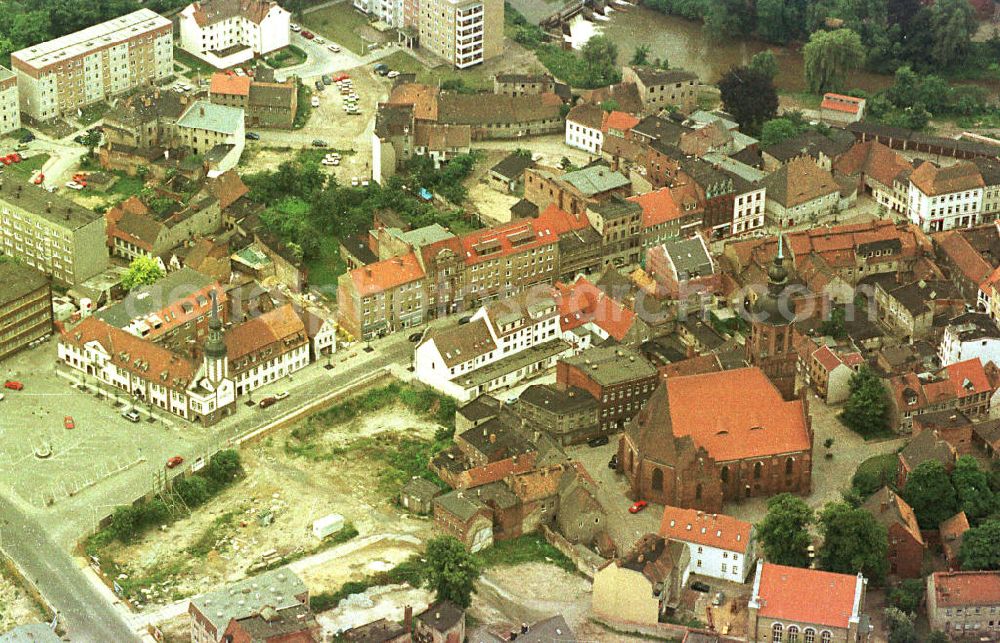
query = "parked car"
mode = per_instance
[
  {"x": 131, "y": 415},
  {"x": 267, "y": 401},
  {"x": 13, "y": 385},
  {"x": 465, "y": 320},
  {"x": 355, "y": 181},
  {"x": 68, "y": 422},
  {"x": 320, "y": 41},
  {"x": 318, "y": 143},
  {"x": 637, "y": 506},
  {"x": 341, "y": 76},
  {"x": 174, "y": 461},
  {"x": 613, "y": 462},
  {"x": 320, "y": 86},
  {"x": 294, "y": 27},
  {"x": 308, "y": 35},
  {"x": 326, "y": 80},
  {"x": 73, "y": 185},
  {"x": 1, "y": 397},
  {"x": 392, "y": 74},
  {"x": 415, "y": 337},
  {"x": 598, "y": 441},
  {"x": 334, "y": 47},
  {"x": 253, "y": 136},
  {"x": 381, "y": 69},
  {"x": 27, "y": 138},
  {"x": 281, "y": 396},
  {"x": 699, "y": 586},
  {"x": 314, "y": 101}
]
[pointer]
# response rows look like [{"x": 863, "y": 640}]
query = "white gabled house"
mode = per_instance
[
  {"x": 225, "y": 33},
  {"x": 502, "y": 344},
  {"x": 721, "y": 546}
]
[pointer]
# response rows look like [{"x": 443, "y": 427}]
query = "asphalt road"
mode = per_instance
[{"x": 83, "y": 612}]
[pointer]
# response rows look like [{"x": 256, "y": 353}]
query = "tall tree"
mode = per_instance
[
  {"x": 780, "y": 21},
  {"x": 972, "y": 485},
  {"x": 600, "y": 57},
  {"x": 853, "y": 541},
  {"x": 901, "y": 12},
  {"x": 141, "y": 272},
  {"x": 451, "y": 571},
  {"x": 900, "y": 626},
  {"x": 830, "y": 56},
  {"x": 777, "y": 130},
  {"x": 728, "y": 18},
  {"x": 930, "y": 493},
  {"x": 867, "y": 409},
  {"x": 765, "y": 63},
  {"x": 784, "y": 531},
  {"x": 749, "y": 96},
  {"x": 953, "y": 23},
  {"x": 641, "y": 55},
  {"x": 981, "y": 547}
]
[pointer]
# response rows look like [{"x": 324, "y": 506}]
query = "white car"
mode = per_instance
[
  {"x": 392, "y": 74},
  {"x": 187, "y": 87},
  {"x": 355, "y": 182},
  {"x": 315, "y": 101},
  {"x": 294, "y": 27},
  {"x": 73, "y": 185},
  {"x": 328, "y": 162},
  {"x": 319, "y": 41},
  {"x": 1, "y": 397},
  {"x": 365, "y": 183},
  {"x": 281, "y": 396}
]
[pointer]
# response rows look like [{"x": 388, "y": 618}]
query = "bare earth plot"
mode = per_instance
[
  {"x": 16, "y": 607},
  {"x": 268, "y": 515}
]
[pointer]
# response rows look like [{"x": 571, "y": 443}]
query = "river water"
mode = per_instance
[{"x": 684, "y": 44}]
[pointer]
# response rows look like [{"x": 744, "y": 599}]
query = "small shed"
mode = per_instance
[
  {"x": 418, "y": 495},
  {"x": 327, "y": 525},
  {"x": 507, "y": 174}
]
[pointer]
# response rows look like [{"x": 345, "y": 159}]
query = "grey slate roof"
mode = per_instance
[
  {"x": 689, "y": 257},
  {"x": 277, "y": 588},
  {"x": 460, "y": 504},
  {"x": 154, "y": 297},
  {"x": 40, "y": 202},
  {"x": 212, "y": 117},
  {"x": 595, "y": 179},
  {"x": 18, "y": 280},
  {"x": 513, "y": 166}
]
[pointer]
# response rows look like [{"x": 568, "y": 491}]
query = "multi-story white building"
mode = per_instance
[
  {"x": 60, "y": 76},
  {"x": 463, "y": 32},
  {"x": 502, "y": 344},
  {"x": 10, "y": 105},
  {"x": 943, "y": 198},
  {"x": 973, "y": 335},
  {"x": 721, "y": 546},
  {"x": 196, "y": 390},
  {"x": 388, "y": 11},
  {"x": 52, "y": 234},
  {"x": 584, "y": 128},
  {"x": 267, "y": 348},
  {"x": 750, "y": 201},
  {"x": 229, "y": 32}
]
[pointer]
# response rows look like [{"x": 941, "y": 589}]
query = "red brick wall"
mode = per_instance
[{"x": 906, "y": 555}]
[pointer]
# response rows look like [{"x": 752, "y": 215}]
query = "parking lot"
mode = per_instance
[{"x": 102, "y": 444}]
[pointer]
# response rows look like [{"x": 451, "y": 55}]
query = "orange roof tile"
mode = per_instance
[
  {"x": 387, "y": 274},
  {"x": 658, "y": 207},
  {"x": 965, "y": 257},
  {"x": 841, "y": 103},
  {"x": 736, "y": 414},
  {"x": 279, "y": 326},
  {"x": 714, "y": 530},
  {"x": 957, "y": 589},
  {"x": 807, "y": 595},
  {"x": 422, "y": 97},
  {"x": 952, "y": 531},
  {"x": 827, "y": 358},
  {"x": 223, "y": 83},
  {"x": 582, "y": 302},
  {"x": 621, "y": 121},
  {"x": 888, "y": 508},
  {"x": 933, "y": 180},
  {"x": 511, "y": 238}
]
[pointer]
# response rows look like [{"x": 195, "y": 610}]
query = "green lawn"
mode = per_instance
[
  {"x": 126, "y": 186},
  {"x": 324, "y": 269},
  {"x": 197, "y": 65},
  {"x": 27, "y": 167},
  {"x": 340, "y": 24},
  {"x": 287, "y": 57},
  {"x": 472, "y": 78},
  {"x": 875, "y": 473},
  {"x": 93, "y": 113}
]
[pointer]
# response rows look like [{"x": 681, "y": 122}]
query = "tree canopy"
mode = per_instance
[
  {"x": 451, "y": 571},
  {"x": 750, "y": 96},
  {"x": 930, "y": 493},
  {"x": 981, "y": 547},
  {"x": 784, "y": 531},
  {"x": 853, "y": 541},
  {"x": 866, "y": 411},
  {"x": 830, "y": 56},
  {"x": 141, "y": 272},
  {"x": 600, "y": 59},
  {"x": 972, "y": 484}
]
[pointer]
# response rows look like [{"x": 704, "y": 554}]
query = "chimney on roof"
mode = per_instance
[{"x": 201, "y": 110}]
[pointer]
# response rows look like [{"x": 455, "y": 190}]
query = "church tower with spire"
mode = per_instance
[
  {"x": 216, "y": 355},
  {"x": 770, "y": 345}
]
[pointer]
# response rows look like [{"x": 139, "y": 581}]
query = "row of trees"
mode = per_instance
[{"x": 891, "y": 32}]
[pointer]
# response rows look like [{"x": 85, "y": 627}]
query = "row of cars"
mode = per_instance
[{"x": 308, "y": 35}]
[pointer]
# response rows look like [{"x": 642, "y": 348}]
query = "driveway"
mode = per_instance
[{"x": 321, "y": 60}]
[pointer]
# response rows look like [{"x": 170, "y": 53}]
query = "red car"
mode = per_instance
[
  {"x": 13, "y": 385},
  {"x": 341, "y": 76},
  {"x": 308, "y": 35},
  {"x": 174, "y": 461},
  {"x": 267, "y": 401},
  {"x": 68, "y": 422},
  {"x": 15, "y": 158},
  {"x": 637, "y": 506},
  {"x": 6, "y": 160}
]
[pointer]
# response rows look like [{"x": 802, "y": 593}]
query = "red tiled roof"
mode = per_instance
[
  {"x": 223, "y": 83},
  {"x": 952, "y": 531},
  {"x": 280, "y": 326},
  {"x": 622, "y": 121},
  {"x": 736, "y": 414},
  {"x": 422, "y": 97},
  {"x": 958, "y": 589},
  {"x": 971, "y": 264},
  {"x": 708, "y": 363},
  {"x": 387, "y": 274},
  {"x": 841, "y": 103},
  {"x": 949, "y": 383},
  {"x": 933, "y": 180},
  {"x": 150, "y": 361},
  {"x": 827, "y": 358},
  {"x": 990, "y": 282},
  {"x": 843, "y": 241},
  {"x": 714, "y": 530},
  {"x": 658, "y": 206},
  {"x": 582, "y": 302},
  {"x": 971, "y": 370},
  {"x": 510, "y": 238},
  {"x": 807, "y": 595}
]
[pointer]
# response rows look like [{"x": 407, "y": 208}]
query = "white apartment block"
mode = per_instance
[
  {"x": 463, "y": 32},
  {"x": 720, "y": 546},
  {"x": 51, "y": 234},
  {"x": 971, "y": 336},
  {"x": 748, "y": 210},
  {"x": 502, "y": 343},
  {"x": 62, "y": 75},
  {"x": 388, "y": 11},
  {"x": 225, "y": 33},
  {"x": 584, "y": 137},
  {"x": 944, "y": 198},
  {"x": 10, "y": 104}
]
